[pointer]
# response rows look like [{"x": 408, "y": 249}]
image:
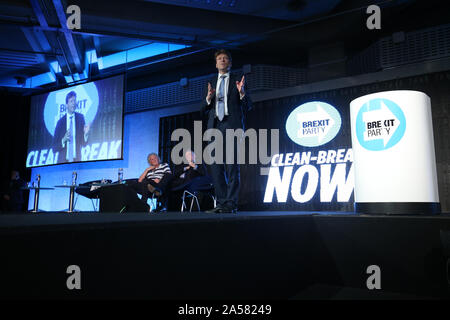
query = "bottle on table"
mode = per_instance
[{"x": 74, "y": 178}]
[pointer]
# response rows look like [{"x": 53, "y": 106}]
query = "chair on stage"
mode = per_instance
[{"x": 193, "y": 189}]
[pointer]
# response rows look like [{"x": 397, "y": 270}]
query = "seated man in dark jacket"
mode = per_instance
[
  {"x": 191, "y": 177},
  {"x": 13, "y": 198},
  {"x": 184, "y": 174}
]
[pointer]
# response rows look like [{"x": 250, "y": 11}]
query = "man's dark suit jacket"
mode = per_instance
[
  {"x": 237, "y": 108},
  {"x": 15, "y": 193},
  {"x": 60, "y": 131},
  {"x": 190, "y": 174}
]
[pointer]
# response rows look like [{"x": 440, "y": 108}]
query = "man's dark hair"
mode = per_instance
[
  {"x": 70, "y": 95},
  {"x": 222, "y": 51}
]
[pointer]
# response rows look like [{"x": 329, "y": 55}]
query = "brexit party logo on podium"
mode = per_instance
[
  {"x": 313, "y": 124},
  {"x": 380, "y": 124},
  {"x": 55, "y": 105}
]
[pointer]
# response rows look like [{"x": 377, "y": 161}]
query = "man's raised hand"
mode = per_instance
[
  {"x": 240, "y": 86},
  {"x": 66, "y": 137},
  {"x": 211, "y": 92},
  {"x": 87, "y": 127}
]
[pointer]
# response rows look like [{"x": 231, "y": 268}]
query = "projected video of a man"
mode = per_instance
[
  {"x": 71, "y": 132},
  {"x": 77, "y": 124}
]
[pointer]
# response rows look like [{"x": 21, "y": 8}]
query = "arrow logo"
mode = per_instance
[
  {"x": 380, "y": 124},
  {"x": 314, "y": 124}
]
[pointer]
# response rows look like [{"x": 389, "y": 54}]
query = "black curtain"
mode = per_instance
[
  {"x": 14, "y": 136},
  {"x": 168, "y": 124}
]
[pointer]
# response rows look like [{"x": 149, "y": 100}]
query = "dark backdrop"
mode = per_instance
[
  {"x": 273, "y": 114},
  {"x": 14, "y": 135}
]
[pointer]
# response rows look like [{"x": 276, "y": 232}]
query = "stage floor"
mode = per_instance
[
  {"x": 12, "y": 221},
  {"x": 248, "y": 255}
]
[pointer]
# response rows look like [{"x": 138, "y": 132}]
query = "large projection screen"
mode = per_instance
[{"x": 77, "y": 124}]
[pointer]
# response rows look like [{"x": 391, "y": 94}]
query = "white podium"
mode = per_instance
[{"x": 394, "y": 158}]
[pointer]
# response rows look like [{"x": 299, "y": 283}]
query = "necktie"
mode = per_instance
[
  {"x": 70, "y": 146},
  {"x": 221, "y": 98}
]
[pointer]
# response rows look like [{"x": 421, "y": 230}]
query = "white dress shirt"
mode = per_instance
[
  {"x": 74, "y": 134},
  {"x": 225, "y": 92}
]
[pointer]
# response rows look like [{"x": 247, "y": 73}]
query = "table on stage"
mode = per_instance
[
  {"x": 120, "y": 197},
  {"x": 36, "y": 195},
  {"x": 72, "y": 193}
]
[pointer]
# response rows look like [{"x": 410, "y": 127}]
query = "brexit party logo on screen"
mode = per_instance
[
  {"x": 380, "y": 124},
  {"x": 313, "y": 124},
  {"x": 55, "y": 105},
  {"x": 311, "y": 171}
]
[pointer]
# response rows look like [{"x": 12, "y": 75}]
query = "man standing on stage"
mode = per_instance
[
  {"x": 226, "y": 105},
  {"x": 71, "y": 132}
]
